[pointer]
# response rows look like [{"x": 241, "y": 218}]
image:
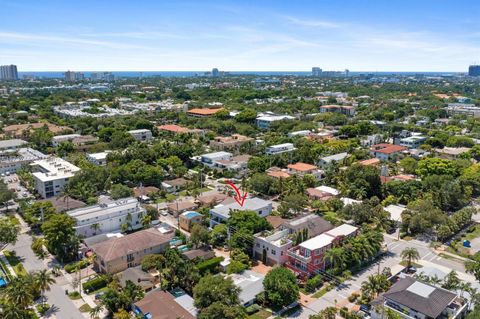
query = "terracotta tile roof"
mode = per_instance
[
  {"x": 147, "y": 190},
  {"x": 386, "y": 148},
  {"x": 369, "y": 162},
  {"x": 316, "y": 193},
  {"x": 278, "y": 174},
  {"x": 204, "y": 112},
  {"x": 117, "y": 247},
  {"x": 302, "y": 167},
  {"x": 173, "y": 128},
  {"x": 275, "y": 221}
]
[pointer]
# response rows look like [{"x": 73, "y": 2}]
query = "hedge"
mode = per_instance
[
  {"x": 209, "y": 265},
  {"x": 94, "y": 284},
  {"x": 313, "y": 283},
  {"x": 73, "y": 266}
]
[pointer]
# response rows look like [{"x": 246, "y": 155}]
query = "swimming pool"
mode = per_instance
[{"x": 3, "y": 283}]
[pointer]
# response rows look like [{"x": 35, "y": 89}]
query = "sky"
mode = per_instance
[{"x": 276, "y": 35}]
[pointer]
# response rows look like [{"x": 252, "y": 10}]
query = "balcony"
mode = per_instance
[{"x": 295, "y": 253}]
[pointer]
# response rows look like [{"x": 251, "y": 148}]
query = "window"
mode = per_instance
[
  {"x": 317, "y": 261},
  {"x": 274, "y": 252}
]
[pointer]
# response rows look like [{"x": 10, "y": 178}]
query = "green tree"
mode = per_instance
[
  {"x": 218, "y": 235},
  {"x": 5, "y": 194},
  {"x": 60, "y": 235},
  {"x": 120, "y": 191},
  {"x": 327, "y": 313},
  {"x": 375, "y": 285},
  {"x": 211, "y": 289},
  {"x": 410, "y": 255},
  {"x": 199, "y": 235},
  {"x": 281, "y": 287},
  {"x": 8, "y": 232},
  {"x": 43, "y": 279}
]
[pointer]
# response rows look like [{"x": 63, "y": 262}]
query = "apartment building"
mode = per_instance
[
  {"x": 119, "y": 253},
  {"x": 11, "y": 145},
  {"x": 210, "y": 159},
  {"x": 324, "y": 162},
  {"x": 342, "y": 109},
  {"x": 107, "y": 217},
  {"x": 413, "y": 141},
  {"x": 469, "y": 110},
  {"x": 76, "y": 139},
  {"x": 51, "y": 174},
  {"x": 307, "y": 259},
  {"x": 13, "y": 159},
  {"x": 141, "y": 135}
]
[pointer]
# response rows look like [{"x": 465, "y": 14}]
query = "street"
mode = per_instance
[{"x": 62, "y": 306}]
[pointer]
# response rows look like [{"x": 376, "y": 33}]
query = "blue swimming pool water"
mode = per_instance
[{"x": 3, "y": 283}]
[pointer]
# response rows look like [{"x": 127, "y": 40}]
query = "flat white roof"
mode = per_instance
[
  {"x": 395, "y": 212},
  {"x": 288, "y": 145},
  {"x": 12, "y": 143},
  {"x": 144, "y": 130},
  {"x": 99, "y": 156},
  {"x": 216, "y": 154},
  {"x": 54, "y": 168},
  {"x": 65, "y": 137},
  {"x": 104, "y": 209},
  {"x": 317, "y": 242},
  {"x": 342, "y": 230}
]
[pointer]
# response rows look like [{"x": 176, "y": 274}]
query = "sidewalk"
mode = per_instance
[{"x": 9, "y": 267}]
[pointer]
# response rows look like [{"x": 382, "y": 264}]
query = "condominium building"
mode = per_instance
[
  {"x": 343, "y": 109},
  {"x": 210, "y": 159},
  {"x": 141, "y": 134},
  {"x": 8, "y": 72},
  {"x": 10, "y": 145},
  {"x": 108, "y": 217},
  {"x": 51, "y": 174}
]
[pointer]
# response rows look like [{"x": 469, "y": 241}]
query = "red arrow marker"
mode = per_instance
[{"x": 239, "y": 199}]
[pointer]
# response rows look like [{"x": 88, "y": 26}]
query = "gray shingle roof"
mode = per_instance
[{"x": 421, "y": 297}]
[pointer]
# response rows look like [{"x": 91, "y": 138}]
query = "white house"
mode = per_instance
[
  {"x": 107, "y": 217},
  {"x": 280, "y": 148},
  {"x": 99, "y": 159},
  {"x": 221, "y": 213},
  {"x": 141, "y": 135},
  {"x": 266, "y": 119}
]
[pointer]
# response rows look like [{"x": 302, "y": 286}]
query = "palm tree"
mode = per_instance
[
  {"x": 375, "y": 285},
  {"x": 12, "y": 311},
  {"x": 95, "y": 312},
  {"x": 16, "y": 294},
  {"x": 409, "y": 255},
  {"x": 43, "y": 279},
  {"x": 146, "y": 220},
  {"x": 336, "y": 257}
]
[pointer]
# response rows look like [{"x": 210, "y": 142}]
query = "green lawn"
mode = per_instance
[
  {"x": 99, "y": 290},
  {"x": 14, "y": 261},
  {"x": 320, "y": 293},
  {"x": 74, "y": 295},
  {"x": 261, "y": 314},
  {"x": 85, "y": 308}
]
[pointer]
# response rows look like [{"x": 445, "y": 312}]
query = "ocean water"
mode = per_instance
[{"x": 136, "y": 74}]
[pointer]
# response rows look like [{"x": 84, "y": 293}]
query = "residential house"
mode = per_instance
[
  {"x": 107, "y": 217},
  {"x": 210, "y": 159},
  {"x": 145, "y": 280},
  {"x": 159, "y": 304},
  {"x": 385, "y": 151},
  {"x": 174, "y": 185},
  {"x": 51, "y": 174},
  {"x": 172, "y": 128},
  {"x": 302, "y": 169},
  {"x": 230, "y": 143},
  {"x": 264, "y": 120},
  {"x": 177, "y": 207},
  {"x": 250, "y": 284},
  {"x": 237, "y": 164},
  {"x": 410, "y": 299},
  {"x": 332, "y": 159},
  {"x": 187, "y": 219},
  {"x": 280, "y": 148},
  {"x": 205, "y": 112},
  {"x": 99, "y": 159},
  {"x": 451, "y": 152},
  {"x": 203, "y": 253},
  {"x": 141, "y": 134},
  {"x": 370, "y": 162},
  {"x": 221, "y": 213},
  {"x": 414, "y": 141},
  {"x": 119, "y": 253},
  {"x": 307, "y": 258}
]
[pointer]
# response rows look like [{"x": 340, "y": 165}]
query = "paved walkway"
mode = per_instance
[{"x": 7, "y": 264}]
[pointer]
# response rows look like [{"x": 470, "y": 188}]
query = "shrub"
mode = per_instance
[
  {"x": 43, "y": 308},
  {"x": 72, "y": 267},
  {"x": 94, "y": 284},
  {"x": 253, "y": 309},
  {"x": 209, "y": 265},
  {"x": 313, "y": 283}
]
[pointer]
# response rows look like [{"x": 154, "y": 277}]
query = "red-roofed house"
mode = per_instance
[
  {"x": 302, "y": 169},
  {"x": 203, "y": 112},
  {"x": 370, "y": 162},
  {"x": 172, "y": 128},
  {"x": 385, "y": 151}
]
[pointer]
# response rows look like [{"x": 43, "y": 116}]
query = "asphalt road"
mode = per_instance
[{"x": 63, "y": 308}]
